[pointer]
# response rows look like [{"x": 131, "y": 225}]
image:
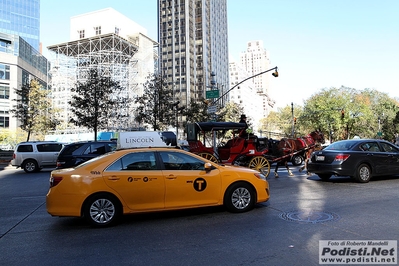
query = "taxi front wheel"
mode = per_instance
[
  {"x": 102, "y": 210},
  {"x": 239, "y": 197}
]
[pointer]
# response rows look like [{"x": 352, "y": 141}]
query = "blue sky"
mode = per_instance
[{"x": 315, "y": 44}]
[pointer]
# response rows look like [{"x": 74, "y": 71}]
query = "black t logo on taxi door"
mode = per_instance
[{"x": 199, "y": 184}]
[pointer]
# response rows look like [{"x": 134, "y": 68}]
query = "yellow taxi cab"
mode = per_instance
[{"x": 150, "y": 179}]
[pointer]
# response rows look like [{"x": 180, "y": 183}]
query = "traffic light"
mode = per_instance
[
  {"x": 294, "y": 120},
  {"x": 342, "y": 114},
  {"x": 275, "y": 73}
]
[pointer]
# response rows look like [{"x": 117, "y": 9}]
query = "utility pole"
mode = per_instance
[{"x": 292, "y": 119}]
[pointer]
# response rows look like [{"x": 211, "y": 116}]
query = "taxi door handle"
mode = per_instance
[
  {"x": 113, "y": 178},
  {"x": 171, "y": 177}
]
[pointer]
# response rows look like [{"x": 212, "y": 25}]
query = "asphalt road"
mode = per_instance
[{"x": 284, "y": 231}]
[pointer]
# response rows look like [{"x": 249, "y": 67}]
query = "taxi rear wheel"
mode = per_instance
[
  {"x": 239, "y": 197},
  {"x": 102, "y": 210}
]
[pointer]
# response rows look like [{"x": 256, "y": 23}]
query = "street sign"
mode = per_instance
[
  {"x": 212, "y": 109},
  {"x": 212, "y": 94}
]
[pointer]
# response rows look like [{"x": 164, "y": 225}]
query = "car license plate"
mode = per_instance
[{"x": 319, "y": 158}]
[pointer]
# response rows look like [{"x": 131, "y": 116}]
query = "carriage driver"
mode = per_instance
[{"x": 243, "y": 133}]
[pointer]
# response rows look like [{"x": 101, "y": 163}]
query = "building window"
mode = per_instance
[
  {"x": 4, "y": 72},
  {"x": 4, "y": 122},
  {"x": 97, "y": 30},
  {"x": 4, "y": 92},
  {"x": 81, "y": 34},
  {"x": 5, "y": 46}
]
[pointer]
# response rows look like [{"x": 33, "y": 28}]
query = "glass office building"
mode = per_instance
[
  {"x": 20, "y": 57},
  {"x": 21, "y": 17}
]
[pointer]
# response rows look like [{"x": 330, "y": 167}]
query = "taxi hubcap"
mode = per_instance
[
  {"x": 241, "y": 198},
  {"x": 102, "y": 211}
]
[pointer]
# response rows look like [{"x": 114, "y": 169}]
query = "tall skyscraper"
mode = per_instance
[
  {"x": 193, "y": 43},
  {"x": 21, "y": 18},
  {"x": 255, "y": 60}
]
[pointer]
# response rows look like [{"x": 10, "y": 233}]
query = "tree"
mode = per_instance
[
  {"x": 33, "y": 109},
  {"x": 346, "y": 112},
  {"x": 197, "y": 111},
  {"x": 95, "y": 103},
  {"x": 231, "y": 112},
  {"x": 155, "y": 106}
]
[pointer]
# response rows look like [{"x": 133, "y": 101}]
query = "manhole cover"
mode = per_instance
[{"x": 309, "y": 216}]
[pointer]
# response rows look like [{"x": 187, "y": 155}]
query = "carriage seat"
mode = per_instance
[
  {"x": 233, "y": 146},
  {"x": 197, "y": 146}
]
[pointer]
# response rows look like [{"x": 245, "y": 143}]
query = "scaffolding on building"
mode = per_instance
[{"x": 111, "y": 55}]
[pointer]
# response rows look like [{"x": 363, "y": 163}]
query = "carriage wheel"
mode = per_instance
[
  {"x": 260, "y": 164},
  {"x": 208, "y": 156}
]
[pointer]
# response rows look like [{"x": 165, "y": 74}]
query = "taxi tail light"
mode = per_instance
[
  {"x": 341, "y": 157},
  {"x": 55, "y": 180}
]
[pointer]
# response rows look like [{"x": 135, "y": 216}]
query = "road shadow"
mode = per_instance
[{"x": 348, "y": 179}]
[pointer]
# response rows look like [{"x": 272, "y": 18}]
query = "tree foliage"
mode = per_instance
[
  {"x": 231, "y": 112},
  {"x": 280, "y": 123},
  {"x": 96, "y": 101},
  {"x": 197, "y": 111},
  {"x": 33, "y": 109},
  {"x": 344, "y": 112},
  {"x": 156, "y": 107}
]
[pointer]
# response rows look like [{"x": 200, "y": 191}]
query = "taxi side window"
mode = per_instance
[
  {"x": 389, "y": 148},
  {"x": 180, "y": 161},
  {"x": 374, "y": 147},
  {"x": 370, "y": 146},
  {"x": 137, "y": 161}
]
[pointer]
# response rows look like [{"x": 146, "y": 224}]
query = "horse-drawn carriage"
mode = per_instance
[{"x": 220, "y": 142}]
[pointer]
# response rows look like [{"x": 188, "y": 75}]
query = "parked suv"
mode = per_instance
[
  {"x": 32, "y": 156},
  {"x": 78, "y": 152}
]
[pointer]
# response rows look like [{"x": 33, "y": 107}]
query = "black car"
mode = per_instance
[
  {"x": 357, "y": 158},
  {"x": 78, "y": 152}
]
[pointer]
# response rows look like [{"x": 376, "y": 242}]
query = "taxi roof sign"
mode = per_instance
[{"x": 145, "y": 139}]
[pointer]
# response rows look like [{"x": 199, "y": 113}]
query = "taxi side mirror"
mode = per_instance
[{"x": 208, "y": 167}]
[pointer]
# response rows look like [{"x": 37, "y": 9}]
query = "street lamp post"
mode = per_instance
[{"x": 275, "y": 74}]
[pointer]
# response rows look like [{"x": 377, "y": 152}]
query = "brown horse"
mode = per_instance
[
  {"x": 308, "y": 154},
  {"x": 286, "y": 147}
]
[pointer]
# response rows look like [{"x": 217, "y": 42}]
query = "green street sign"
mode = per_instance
[{"x": 212, "y": 94}]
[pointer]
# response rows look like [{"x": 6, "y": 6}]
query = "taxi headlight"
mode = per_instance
[{"x": 260, "y": 176}]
